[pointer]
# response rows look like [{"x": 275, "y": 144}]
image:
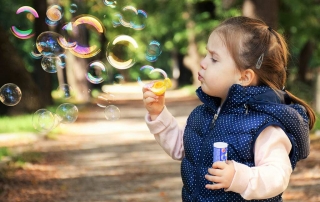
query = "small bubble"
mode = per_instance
[
  {"x": 96, "y": 72},
  {"x": 50, "y": 64},
  {"x": 64, "y": 91},
  {"x": 118, "y": 79},
  {"x": 73, "y": 8},
  {"x": 67, "y": 112},
  {"x": 43, "y": 120},
  {"x": 10, "y": 94},
  {"x": 112, "y": 113}
]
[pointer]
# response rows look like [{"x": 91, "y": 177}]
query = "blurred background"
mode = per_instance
[
  {"x": 69, "y": 62},
  {"x": 180, "y": 29}
]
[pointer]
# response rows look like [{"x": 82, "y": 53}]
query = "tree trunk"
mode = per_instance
[
  {"x": 304, "y": 58},
  {"x": 76, "y": 68},
  {"x": 192, "y": 59},
  {"x": 12, "y": 70},
  {"x": 264, "y": 10},
  {"x": 42, "y": 78}
]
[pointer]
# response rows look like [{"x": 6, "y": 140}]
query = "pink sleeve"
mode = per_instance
[
  {"x": 271, "y": 174},
  {"x": 167, "y": 133}
]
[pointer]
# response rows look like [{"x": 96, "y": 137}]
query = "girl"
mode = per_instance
[{"x": 245, "y": 105}]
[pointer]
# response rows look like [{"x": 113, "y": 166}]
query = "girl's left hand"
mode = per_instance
[{"x": 221, "y": 174}]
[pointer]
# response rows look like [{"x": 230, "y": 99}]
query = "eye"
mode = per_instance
[{"x": 213, "y": 60}]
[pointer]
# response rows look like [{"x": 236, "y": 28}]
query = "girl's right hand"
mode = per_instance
[{"x": 152, "y": 102}]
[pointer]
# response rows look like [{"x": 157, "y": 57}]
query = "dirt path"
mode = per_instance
[{"x": 100, "y": 161}]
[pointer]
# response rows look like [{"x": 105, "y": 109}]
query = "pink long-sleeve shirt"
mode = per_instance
[{"x": 272, "y": 170}]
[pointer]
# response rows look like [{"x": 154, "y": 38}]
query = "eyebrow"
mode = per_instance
[{"x": 212, "y": 51}]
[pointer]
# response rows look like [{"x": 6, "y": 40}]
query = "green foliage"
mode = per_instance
[
  {"x": 4, "y": 152},
  {"x": 317, "y": 124},
  {"x": 14, "y": 124},
  {"x": 300, "y": 22}
]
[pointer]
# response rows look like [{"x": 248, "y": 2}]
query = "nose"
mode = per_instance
[{"x": 203, "y": 64}]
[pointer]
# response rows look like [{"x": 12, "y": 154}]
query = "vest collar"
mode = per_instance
[{"x": 239, "y": 95}]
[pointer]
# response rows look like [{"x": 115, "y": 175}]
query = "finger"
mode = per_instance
[
  {"x": 150, "y": 94},
  {"x": 147, "y": 86},
  {"x": 214, "y": 186},
  {"x": 150, "y": 100},
  {"x": 212, "y": 178},
  {"x": 216, "y": 172},
  {"x": 219, "y": 164}
]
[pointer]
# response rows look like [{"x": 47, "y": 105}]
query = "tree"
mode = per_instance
[
  {"x": 266, "y": 10},
  {"x": 42, "y": 79},
  {"x": 13, "y": 70}
]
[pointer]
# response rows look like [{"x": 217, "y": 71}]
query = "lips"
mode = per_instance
[{"x": 200, "y": 78}]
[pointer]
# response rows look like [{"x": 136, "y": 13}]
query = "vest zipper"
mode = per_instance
[{"x": 215, "y": 117}]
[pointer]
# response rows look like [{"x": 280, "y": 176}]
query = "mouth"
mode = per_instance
[{"x": 200, "y": 78}]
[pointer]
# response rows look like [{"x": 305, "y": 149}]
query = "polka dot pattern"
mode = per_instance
[{"x": 245, "y": 113}]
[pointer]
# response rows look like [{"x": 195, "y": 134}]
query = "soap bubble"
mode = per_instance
[
  {"x": 64, "y": 91},
  {"x": 121, "y": 52},
  {"x": 112, "y": 113},
  {"x": 43, "y": 120},
  {"x": 67, "y": 112},
  {"x": 10, "y": 94},
  {"x": 144, "y": 75},
  {"x": 25, "y": 34},
  {"x": 68, "y": 36},
  {"x": 105, "y": 99},
  {"x": 153, "y": 51},
  {"x": 54, "y": 13},
  {"x": 111, "y": 4},
  {"x": 118, "y": 79},
  {"x": 50, "y": 64},
  {"x": 96, "y": 72},
  {"x": 88, "y": 22},
  {"x": 137, "y": 18},
  {"x": 47, "y": 44},
  {"x": 73, "y": 8},
  {"x": 35, "y": 53}
]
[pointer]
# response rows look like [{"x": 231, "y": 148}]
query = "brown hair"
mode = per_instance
[{"x": 247, "y": 39}]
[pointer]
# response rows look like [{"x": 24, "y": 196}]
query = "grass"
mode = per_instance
[
  {"x": 16, "y": 124},
  {"x": 4, "y": 151}
]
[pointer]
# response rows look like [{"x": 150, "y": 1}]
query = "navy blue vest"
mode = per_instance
[{"x": 244, "y": 114}]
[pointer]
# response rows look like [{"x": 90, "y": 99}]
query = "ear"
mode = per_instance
[{"x": 248, "y": 78}]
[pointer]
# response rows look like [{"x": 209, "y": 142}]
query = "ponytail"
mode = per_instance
[{"x": 310, "y": 112}]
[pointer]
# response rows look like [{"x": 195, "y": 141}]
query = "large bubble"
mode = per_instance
[
  {"x": 27, "y": 33},
  {"x": 93, "y": 26},
  {"x": 47, "y": 44},
  {"x": 121, "y": 52},
  {"x": 10, "y": 94}
]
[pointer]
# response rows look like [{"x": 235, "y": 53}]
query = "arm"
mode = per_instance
[
  {"x": 271, "y": 174},
  {"x": 163, "y": 125},
  {"x": 167, "y": 133}
]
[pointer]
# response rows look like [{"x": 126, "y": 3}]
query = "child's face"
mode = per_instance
[{"x": 218, "y": 70}]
